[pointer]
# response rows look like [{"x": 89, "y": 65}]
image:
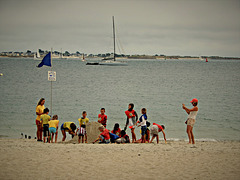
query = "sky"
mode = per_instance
[{"x": 169, "y": 27}]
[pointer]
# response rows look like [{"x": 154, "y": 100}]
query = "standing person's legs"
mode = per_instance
[
  {"x": 48, "y": 133},
  {"x": 133, "y": 135},
  {"x": 52, "y": 137},
  {"x": 85, "y": 138},
  {"x": 189, "y": 133},
  {"x": 192, "y": 137},
  {"x": 56, "y": 135},
  {"x": 39, "y": 130}
]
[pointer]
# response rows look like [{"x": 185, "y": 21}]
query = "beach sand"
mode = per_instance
[{"x": 29, "y": 159}]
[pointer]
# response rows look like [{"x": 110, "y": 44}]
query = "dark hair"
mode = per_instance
[
  {"x": 73, "y": 126},
  {"x": 55, "y": 117},
  {"x": 163, "y": 126},
  {"x": 84, "y": 112},
  {"x": 144, "y": 110},
  {"x": 132, "y": 106},
  {"x": 116, "y": 127},
  {"x": 123, "y": 133},
  {"x": 45, "y": 110},
  {"x": 103, "y": 109},
  {"x": 40, "y": 101}
]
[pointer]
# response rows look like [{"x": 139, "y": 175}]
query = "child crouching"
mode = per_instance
[{"x": 104, "y": 137}]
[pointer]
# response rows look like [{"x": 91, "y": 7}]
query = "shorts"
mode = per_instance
[
  {"x": 154, "y": 130},
  {"x": 62, "y": 128},
  {"x": 144, "y": 129},
  {"x": 52, "y": 130},
  {"x": 46, "y": 130},
  {"x": 38, "y": 123},
  {"x": 131, "y": 125},
  {"x": 80, "y": 135},
  {"x": 103, "y": 140},
  {"x": 190, "y": 122}
]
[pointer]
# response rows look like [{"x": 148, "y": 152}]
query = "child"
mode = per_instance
[
  {"x": 148, "y": 132},
  {"x": 102, "y": 118},
  {"x": 44, "y": 120},
  {"x": 69, "y": 127},
  {"x": 192, "y": 113},
  {"x": 142, "y": 121},
  {"x": 104, "y": 137},
  {"x": 124, "y": 138},
  {"x": 116, "y": 130},
  {"x": 53, "y": 127},
  {"x": 81, "y": 133},
  {"x": 155, "y": 129},
  {"x": 131, "y": 120},
  {"x": 83, "y": 122}
]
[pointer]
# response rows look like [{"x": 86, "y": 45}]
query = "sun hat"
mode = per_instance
[{"x": 194, "y": 100}]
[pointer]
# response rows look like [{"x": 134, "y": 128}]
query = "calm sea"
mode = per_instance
[{"x": 161, "y": 86}]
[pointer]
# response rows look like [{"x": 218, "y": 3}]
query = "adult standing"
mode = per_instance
[
  {"x": 39, "y": 111},
  {"x": 192, "y": 113}
]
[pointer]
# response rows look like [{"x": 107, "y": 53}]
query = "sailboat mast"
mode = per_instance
[{"x": 113, "y": 39}]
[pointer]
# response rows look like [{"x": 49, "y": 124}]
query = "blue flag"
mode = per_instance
[{"x": 46, "y": 60}]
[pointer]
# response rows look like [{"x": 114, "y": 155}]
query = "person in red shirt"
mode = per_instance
[
  {"x": 102, "y": 118},
  {"x": 132, "y": 118},
  {"x": 104, "y": 137},
  {"x": 155, "y": 129}
]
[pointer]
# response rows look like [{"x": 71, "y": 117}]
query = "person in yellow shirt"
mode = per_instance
[
  {"x": 44, "y": 118},
  {"x": 69, "y": 127},
  {"x": 39, "y": 111},
  {"x": 83, "y": 122},
  {"x": 53, "y": 127}
]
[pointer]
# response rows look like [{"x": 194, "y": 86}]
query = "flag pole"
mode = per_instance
[{"x": 51, "y": 85}]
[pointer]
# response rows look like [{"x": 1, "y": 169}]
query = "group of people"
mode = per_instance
[{"x": 49, "y": 126}]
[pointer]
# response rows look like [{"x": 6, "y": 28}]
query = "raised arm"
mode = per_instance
[{"x": 189, "y": 110}]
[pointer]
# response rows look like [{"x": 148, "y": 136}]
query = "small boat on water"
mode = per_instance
[
  {"x": 92, "y": 63},
  {"x": 110, "y": 61},
  {"x": 83, "y": 58}
]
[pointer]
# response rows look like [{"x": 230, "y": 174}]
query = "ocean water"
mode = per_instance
[{"x": 158, "y": 85}]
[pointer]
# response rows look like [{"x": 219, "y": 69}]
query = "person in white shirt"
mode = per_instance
[{"x": 192, "y": 113}]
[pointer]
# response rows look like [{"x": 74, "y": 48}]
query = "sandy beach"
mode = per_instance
[{"x": 28, "y": 159}]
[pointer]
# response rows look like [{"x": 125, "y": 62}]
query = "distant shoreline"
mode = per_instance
[{"x": 141, "y": 57}]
